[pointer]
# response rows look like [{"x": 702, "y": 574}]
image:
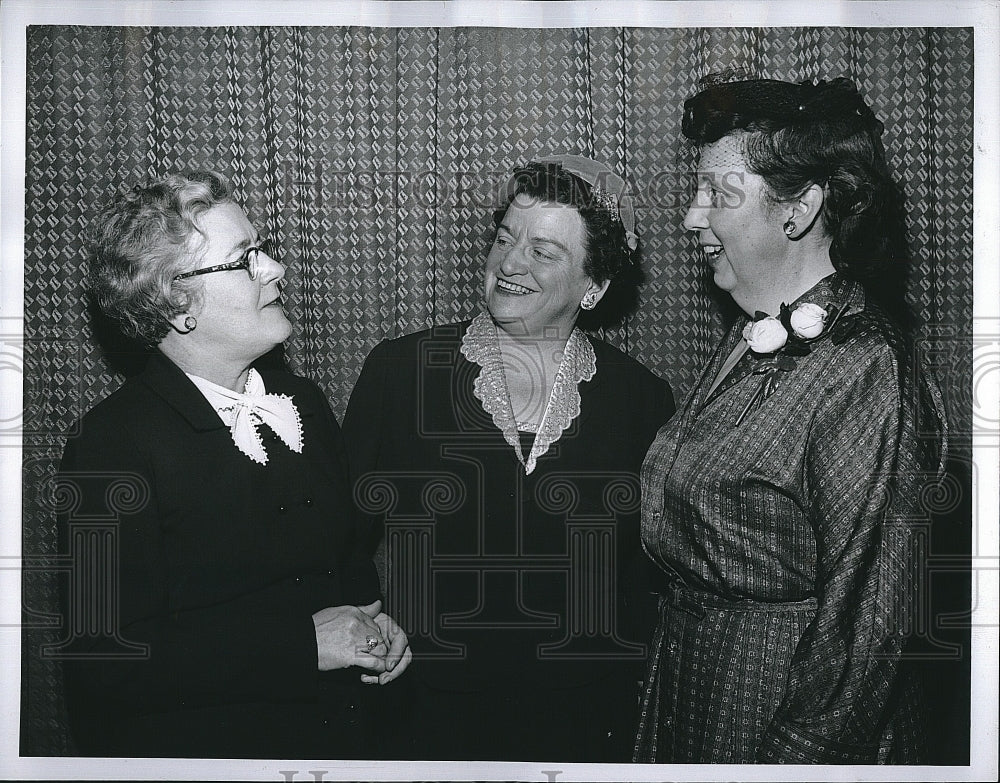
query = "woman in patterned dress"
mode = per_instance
[
  {"x": 783, "y": 500},
  {"x": 501, "y": 457}
]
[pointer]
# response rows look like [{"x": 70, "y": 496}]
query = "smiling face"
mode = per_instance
[
  {"x": 739, "y": 229},
  {"x": 239, "y": 319},
  {"x": 534, "y": 273}
]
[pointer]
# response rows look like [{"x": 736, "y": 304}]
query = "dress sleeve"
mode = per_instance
[
  {"x": 641, "y": 579},
  {"x": 363, "y": 436},
  {"x": 866, "y": 466},
  {"x": 359, "y": 578},
  {"x": 259, "y": 646},
  {"x": 656, "y": 403},
  {"x": 365, "y": 413}
]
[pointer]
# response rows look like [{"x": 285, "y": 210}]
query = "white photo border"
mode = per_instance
[{"x": 982, "y": 15}]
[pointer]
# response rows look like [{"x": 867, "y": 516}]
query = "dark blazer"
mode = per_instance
[
  {"x": 220, "y": 564},
  {"x": 507, "y": 584}
]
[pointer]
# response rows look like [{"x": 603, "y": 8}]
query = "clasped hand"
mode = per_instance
[{"x": 342, "y": 634}]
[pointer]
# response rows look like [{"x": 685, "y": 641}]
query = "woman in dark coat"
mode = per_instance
[
  {"x": 502, "y": 457},
  {"x": 244, "y": 615},
  {"x": 783, "y": 500}
]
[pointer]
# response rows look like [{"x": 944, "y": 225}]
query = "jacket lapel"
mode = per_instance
[
  {"x": 169, "y": 382},
  {"x": 744, "y": 367}
]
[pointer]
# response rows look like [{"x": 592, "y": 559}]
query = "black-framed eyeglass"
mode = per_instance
[{"x": 250, "y": 261}]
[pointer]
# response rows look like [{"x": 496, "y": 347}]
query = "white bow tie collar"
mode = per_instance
[{"x": 244, "y": 413}]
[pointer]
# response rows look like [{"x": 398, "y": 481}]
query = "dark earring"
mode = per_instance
[
  {"x": 789, "y": 228},
  {"x": 190, "y": 324}
]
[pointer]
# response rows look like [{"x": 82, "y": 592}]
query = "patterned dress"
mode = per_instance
[{"x": 792, "y": 542}]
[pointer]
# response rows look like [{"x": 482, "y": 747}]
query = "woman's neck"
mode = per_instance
[
  {"x": 229, "y": 375},
  {"x": 544, "y": 353},
  {"x": 799, "y": 278},
  {"x": 530, "y": 368}
]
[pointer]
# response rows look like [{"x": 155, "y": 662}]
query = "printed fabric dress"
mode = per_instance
[{"x": 792, "y": 542}]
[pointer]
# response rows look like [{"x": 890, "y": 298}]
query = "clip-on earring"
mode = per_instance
[
  {"x": 190, "y": 324},
  {"x": 789, "y": 228}
]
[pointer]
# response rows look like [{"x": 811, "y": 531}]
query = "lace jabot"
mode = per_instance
[{"x": 579, "y": 363}]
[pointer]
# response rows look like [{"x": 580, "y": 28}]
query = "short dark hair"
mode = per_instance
[
  {"x": 608, "y": 254},
  {"x": 140, "y": 241},
  {"x": 814, "y": 132}
]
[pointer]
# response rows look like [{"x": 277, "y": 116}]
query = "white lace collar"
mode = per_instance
[{"x": 579, "y": 363}]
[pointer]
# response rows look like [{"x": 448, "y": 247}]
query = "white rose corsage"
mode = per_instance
[
  {"x": 768, "y": 333},
  {"x": 807, "y": 321},
  {"x": 776, "y": 340}
]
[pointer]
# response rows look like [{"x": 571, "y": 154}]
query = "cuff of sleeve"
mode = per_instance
[{"x": 787, "y": 744}]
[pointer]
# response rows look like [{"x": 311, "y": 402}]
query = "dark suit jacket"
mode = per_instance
[
  {"x": 495, "y": 573},
  {"x": 216, "y": 565}
]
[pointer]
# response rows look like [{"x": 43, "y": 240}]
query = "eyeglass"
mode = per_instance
[{"x": 250, "y": 261}]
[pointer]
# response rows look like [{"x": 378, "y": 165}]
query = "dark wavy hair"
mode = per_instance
[
  {"x": 140, "y": 241},
  {"x": 608, "y": 255},
  {"x": 815, "y": 132}
]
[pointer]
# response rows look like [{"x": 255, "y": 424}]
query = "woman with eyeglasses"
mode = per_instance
[
  {"x": 247, "y": 620},
  {"x": 785, "y": 503}
]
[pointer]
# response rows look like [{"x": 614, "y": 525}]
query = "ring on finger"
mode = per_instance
[{"x": 372, "y": 642}]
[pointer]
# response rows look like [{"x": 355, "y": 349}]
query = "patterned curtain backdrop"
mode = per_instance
[{"x": 371, "y": 157}]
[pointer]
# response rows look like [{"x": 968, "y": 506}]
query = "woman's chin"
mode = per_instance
[
  {"x": 281, "y": 332},
  {"x": 504, "y": 307},
  {"x": 722, "y": 279},
  {"x": 516, "y": 323}
]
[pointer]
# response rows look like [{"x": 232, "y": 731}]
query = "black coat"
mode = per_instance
[
  {"x": 510, "y": 586},
  {"x": 220, "y": 564}
]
